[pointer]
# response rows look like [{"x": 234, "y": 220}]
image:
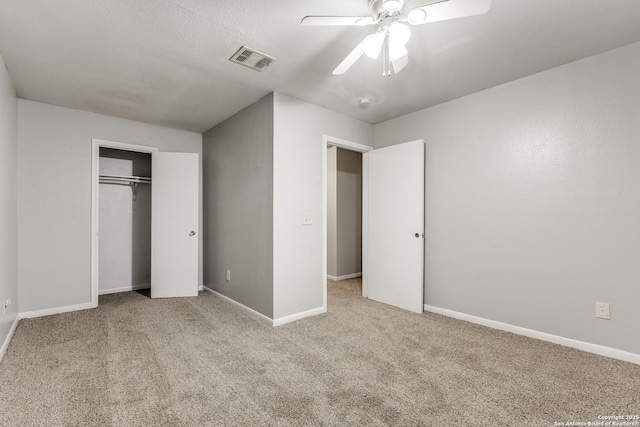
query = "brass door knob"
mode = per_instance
[{"x": 193, "y": 233}]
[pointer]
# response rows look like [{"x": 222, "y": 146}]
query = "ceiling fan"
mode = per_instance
[{"x": 393, "y": 34}]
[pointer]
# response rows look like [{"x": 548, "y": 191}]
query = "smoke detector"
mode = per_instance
[{"x": 252, "y": 58}]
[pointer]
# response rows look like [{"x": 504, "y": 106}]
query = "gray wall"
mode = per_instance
[
  {"x": 124, "y": 223},
  {"x": 344, "y": 212},
  {"x": 533, "y": 199},
  {"x": 238, "y": 210},
  {"x": 8, "y": 202},
  {"x": 349, "y": 217},
  {"x": 54, "y": 195}
]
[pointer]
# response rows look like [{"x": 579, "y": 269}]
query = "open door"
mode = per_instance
[
  {"x": 395, "y": 246},
  {"x": 174, "y": 225}
]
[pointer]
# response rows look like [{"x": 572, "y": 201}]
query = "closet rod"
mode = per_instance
[
  {"x": 131, "y": 181},
  {"x": 123, "y": 182},
  {"x": 115, "y": 179}
]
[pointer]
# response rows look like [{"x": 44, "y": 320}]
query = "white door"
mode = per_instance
[
  {"x": 174, "y": 225},
  {"x": 396, "y": 225}
]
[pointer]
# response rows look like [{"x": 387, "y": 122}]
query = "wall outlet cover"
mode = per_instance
[{"x": 603, "y": 311}]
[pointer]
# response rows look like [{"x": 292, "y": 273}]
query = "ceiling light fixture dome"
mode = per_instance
[{"x": 392, "y": 5}]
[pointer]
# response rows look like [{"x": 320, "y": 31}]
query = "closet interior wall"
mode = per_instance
[{"x": 124, "y": 223}]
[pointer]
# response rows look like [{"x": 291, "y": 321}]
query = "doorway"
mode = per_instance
[
  {"x": 355, "y": 244},
  {"x": 344, "y": 217},
  {"x": 392, "y": 222}
]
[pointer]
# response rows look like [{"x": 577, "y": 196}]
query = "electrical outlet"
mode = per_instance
[
  {"x": 6, "y": 305},
  {"x": 306, "y": 219},
  {"x": 228, "y": 275},
  {"x": 602, "y": 310}
]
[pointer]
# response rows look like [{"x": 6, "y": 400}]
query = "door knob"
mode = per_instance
[
  {"x": 417, "y": 235},
  {"x": 193, "y": 233}
]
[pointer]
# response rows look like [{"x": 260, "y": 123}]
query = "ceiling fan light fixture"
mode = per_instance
[
  {"x": 372, "y": 44},
  {"x": 397, "y": 51},
  {"x": 417, "y": 16},
  {"x": 399, "y": 33},
  {"x": 393, "y": 35},
  {"x": 392, "y": 5}
]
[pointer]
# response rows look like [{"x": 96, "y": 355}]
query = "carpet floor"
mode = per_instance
[{"x": 134, "y": 361}]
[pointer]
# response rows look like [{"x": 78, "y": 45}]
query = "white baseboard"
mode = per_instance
[
  {"x": 261, "y": 317},
  {"x": 123, "y": 289},
  {"x": 251, "y": 312},
  {"x": 7, "y": 340},
  {"x": 601, "y": 350},
  {"x": 345, "y": 277},
  {"x": 292, "y": 318},
  {"x": 56, "y": 310}
]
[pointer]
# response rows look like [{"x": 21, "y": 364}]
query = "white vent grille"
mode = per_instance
[{"x": 252, "y": 58}]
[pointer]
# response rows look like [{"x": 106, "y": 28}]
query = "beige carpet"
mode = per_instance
[{"x": 199, "y": 361}]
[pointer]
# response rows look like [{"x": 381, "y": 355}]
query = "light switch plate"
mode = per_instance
[{"x": 306, "y": 219}]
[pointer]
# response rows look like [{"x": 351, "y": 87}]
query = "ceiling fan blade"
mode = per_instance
[
  {"x": 350, "y": 59},
  {"x": 337, "y": 20},
  {"x": 400, "y": 63},
  {"x": 445, "y": 10}
]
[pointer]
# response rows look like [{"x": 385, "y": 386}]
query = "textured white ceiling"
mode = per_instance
[{"x": 165, "y": 61}]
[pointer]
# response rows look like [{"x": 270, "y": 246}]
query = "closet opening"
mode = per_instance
[
  {"x": 120, "y": 244},
  {"x": 144, "y": 228},
  {"x": 124, "y": 220}
]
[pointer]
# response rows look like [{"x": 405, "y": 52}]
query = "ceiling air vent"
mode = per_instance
[{"x": 252, "y": 58}]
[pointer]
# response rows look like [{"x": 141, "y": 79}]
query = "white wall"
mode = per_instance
[
  {"x": 54, "y": 196},
  {"x": 298, "y": 189},
  {"x": 533, "y": 199},
  {"x": 8, "y": 203}
]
